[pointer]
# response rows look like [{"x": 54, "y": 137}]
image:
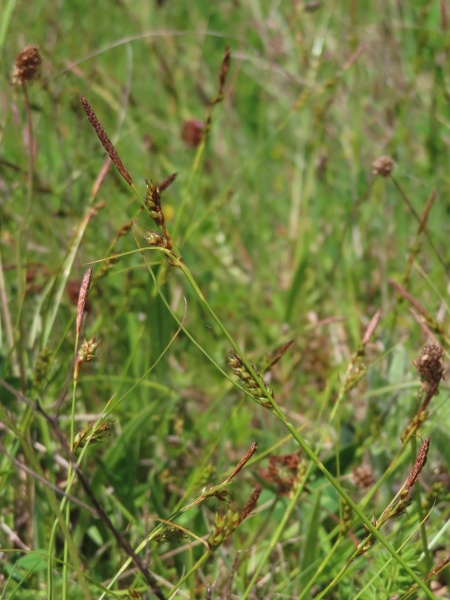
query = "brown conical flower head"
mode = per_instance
[
  {"x": 192, "y": 132},
  {"x": 383, "y": 166},
  {"x": 26, "y": 67},
  {"x": 430, "y": 364}
]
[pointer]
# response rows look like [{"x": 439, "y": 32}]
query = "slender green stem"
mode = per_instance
[
  {"x": 281, "y": 527},
  {"x": 418, "y": 502},
  {"x": 69, "y": 477},
  {"x": 70, "y": 471},
  {"x": 320, "y": 569},
  {"x": 192, "y": 570}
]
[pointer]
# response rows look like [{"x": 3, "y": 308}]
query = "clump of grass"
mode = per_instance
[{"x": 279, "y": 227}]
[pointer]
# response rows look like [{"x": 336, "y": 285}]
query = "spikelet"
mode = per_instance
[{"x": 104, "y": 139}]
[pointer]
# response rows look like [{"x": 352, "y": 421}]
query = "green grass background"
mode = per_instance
[{"x": 279, "y": 222}]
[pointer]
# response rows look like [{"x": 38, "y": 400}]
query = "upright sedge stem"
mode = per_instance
[{"x": 84, "y": 288}]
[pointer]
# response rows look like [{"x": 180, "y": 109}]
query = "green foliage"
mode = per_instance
[{"x": 286, "y": 233}]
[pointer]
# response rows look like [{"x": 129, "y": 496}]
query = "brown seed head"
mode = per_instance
[
  {"x": 26, "y": 67},
  {"x": 363, "y": 476},
  {"x": 383, "y": 166},
  {"x": 252, "y": 501},
  {"x": 430, "y": 364},
  {"x": 244, "y": 460},
  {"x": 419, "y": 464},
  {"x": 192, "y": 132},
  {"x": 224, "y": 70}
]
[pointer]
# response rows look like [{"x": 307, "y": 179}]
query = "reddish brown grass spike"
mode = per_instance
[
  {"x": 83, "y": 297},
  {"x": 104, "y": 139},
  {"x": 224, "y": 70},
  {"x": 419, "y": 464}
]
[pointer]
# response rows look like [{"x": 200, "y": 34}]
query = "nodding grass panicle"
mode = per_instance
[
  {"x": 105, "y": 141},
  {"x": 27, "y": 66}
]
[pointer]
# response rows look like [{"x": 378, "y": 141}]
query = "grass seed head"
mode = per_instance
[
  {"x": 363, "y": 477},
  {"x": 27, "y": 65},
  {"x": 383, "y": 166},
  {"x": 252, "y": 501},
  {"x": 419, "y": 464},
  {"x": 192, "y": 132},
  {"x": 430, "y": 365},
  {"x": 105, "y": 141}
]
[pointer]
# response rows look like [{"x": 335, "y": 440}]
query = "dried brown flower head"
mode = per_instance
[
  {"x": 192, "y": 132},
  {"x": 282, "y": 472},
  {"x": 363, "y": 476},
  {"x": 430, "y": 364},
  {"x": 26, "y": 67},
  {"x": 383, "y": 166}
]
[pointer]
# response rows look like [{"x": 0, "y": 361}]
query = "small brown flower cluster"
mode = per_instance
[
  {"x": 283, "y": 472},
  {"x": 27, "y": 65},
  {"x": 249, "y": 382},
  {"x": 93, "y": 434},
  {"x": 225, "y": 525},
  {"x": 363, "y": 477},
  {"x": 192, "y": 132},
  {"x": 430, "y": 365},
  {"x": 171, "y": 535},
  {"x": 85, "y": 354},
  {"x": 153, "y": 204},
  {"x": 383, "y": 166}
]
